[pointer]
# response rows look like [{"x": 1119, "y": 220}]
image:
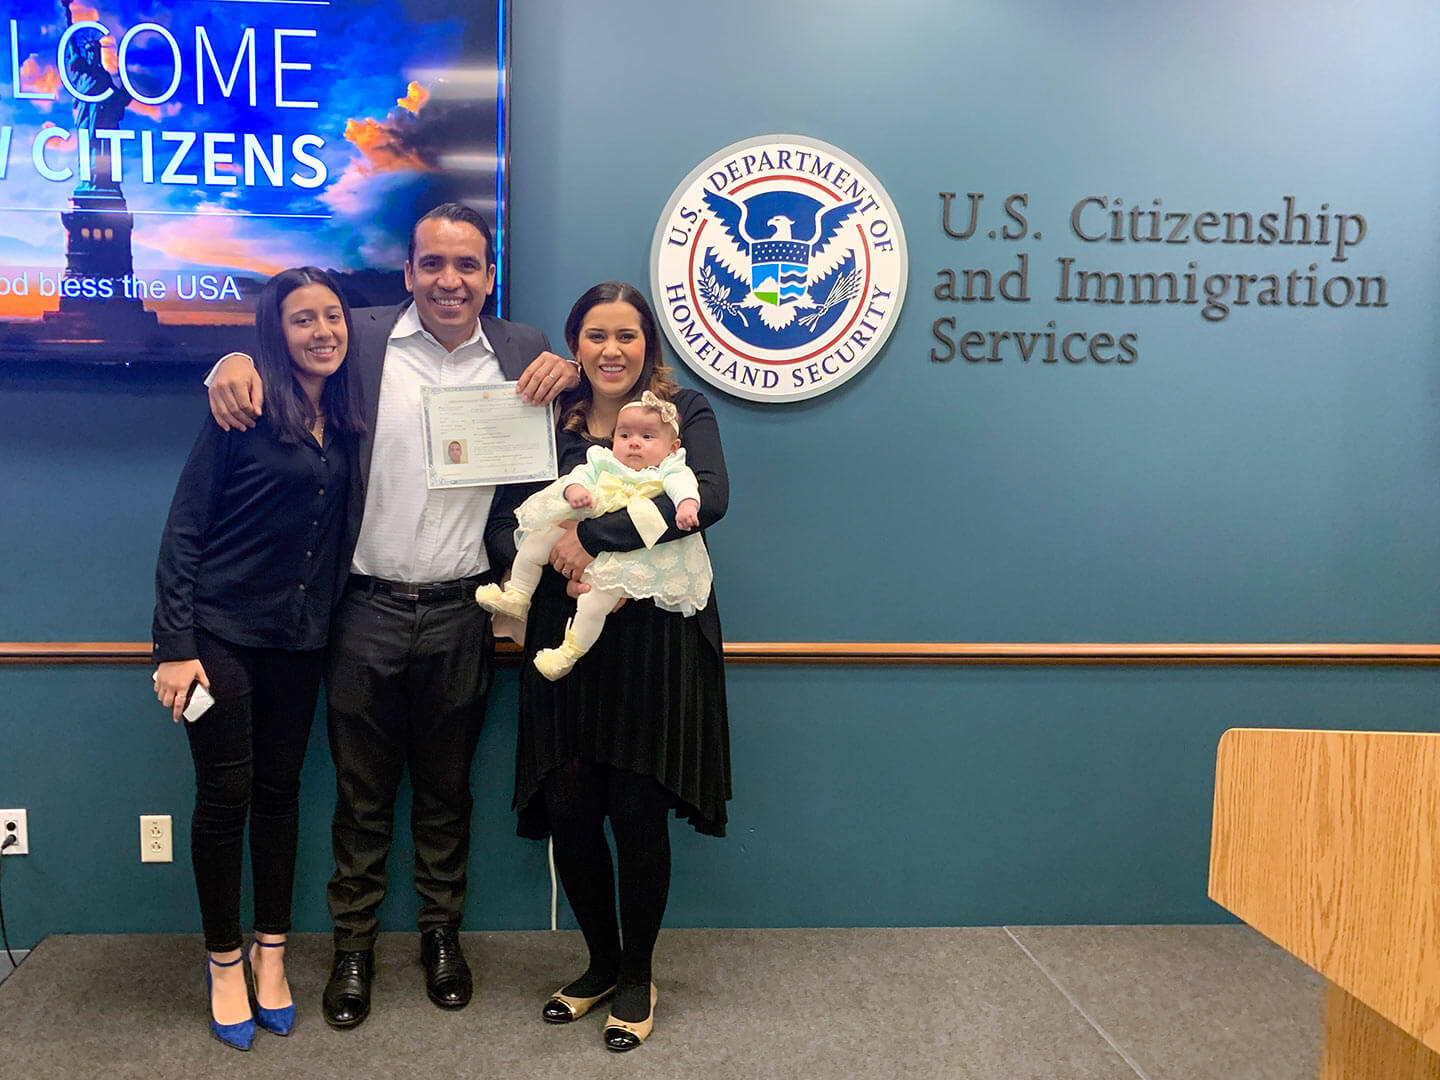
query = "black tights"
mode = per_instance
[{"x": 578, "y": 797}]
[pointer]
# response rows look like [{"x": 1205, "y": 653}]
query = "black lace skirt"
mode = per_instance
[{"x": 649, "y": 697}]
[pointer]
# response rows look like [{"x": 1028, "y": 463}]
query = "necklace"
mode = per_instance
[{"x": 318, "y": 428}]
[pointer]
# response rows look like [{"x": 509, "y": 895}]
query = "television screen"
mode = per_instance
[{"x": 159, "y": 161}]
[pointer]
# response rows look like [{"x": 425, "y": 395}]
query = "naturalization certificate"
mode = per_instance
[{"x": 485, "y": 435}]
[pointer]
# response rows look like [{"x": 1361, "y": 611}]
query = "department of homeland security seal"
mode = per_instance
[{"x": 778, "y": 268}]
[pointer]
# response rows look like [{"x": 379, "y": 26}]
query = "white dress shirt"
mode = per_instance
[{"x": 409, "y": 532}]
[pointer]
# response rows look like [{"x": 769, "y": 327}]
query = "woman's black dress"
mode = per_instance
[{"x": 650, "y": 695}]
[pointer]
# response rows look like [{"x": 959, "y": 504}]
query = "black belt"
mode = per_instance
[{"x": 430, "y": 592}]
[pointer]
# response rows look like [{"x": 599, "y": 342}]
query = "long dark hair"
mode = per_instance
[
  {"x": 291, "y": 416},
  {"x": 655, "y": 374}
]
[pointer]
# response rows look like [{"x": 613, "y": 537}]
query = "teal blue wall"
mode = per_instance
[{"x": 1268, "y": 477}]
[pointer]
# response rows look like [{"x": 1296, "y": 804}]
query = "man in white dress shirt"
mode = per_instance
[{"x": 409, "y": 660}]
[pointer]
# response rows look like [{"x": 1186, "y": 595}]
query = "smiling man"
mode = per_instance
[{"x": 409, "y": 659}]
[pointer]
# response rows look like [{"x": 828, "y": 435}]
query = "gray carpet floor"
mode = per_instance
[{"x": 991, "y": 1003}]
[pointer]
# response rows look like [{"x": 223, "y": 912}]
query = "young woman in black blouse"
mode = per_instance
[
  {"x": 639, "y": 727},
  {"x": 249, "y": 565}
]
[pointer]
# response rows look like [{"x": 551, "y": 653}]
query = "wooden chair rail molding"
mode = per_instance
[{"x": 888, "y": 652}]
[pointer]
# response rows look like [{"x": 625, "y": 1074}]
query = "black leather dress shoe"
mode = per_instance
[
  {"x": 447, "y": 975},
  {"x": 347, "y": 995}
]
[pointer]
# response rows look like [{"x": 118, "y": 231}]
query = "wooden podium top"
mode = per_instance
[{"x": 1328, "y": 843}]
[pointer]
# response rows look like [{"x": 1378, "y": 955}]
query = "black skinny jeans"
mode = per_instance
[{"x": 248, "y": 750}]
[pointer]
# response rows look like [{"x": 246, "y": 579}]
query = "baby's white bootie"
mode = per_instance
[
  {"x": 556, "y": 663},
  {"x": 511, "y": 602}
]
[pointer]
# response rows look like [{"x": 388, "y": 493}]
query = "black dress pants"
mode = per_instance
[
  {"x": 406, "y": 684},
  {"x": 248, "y": 749}
]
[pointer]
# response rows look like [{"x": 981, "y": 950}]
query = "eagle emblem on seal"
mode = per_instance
[{"x": 777, "y": 255}]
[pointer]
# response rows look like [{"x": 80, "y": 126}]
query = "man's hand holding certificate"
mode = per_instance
[{"x": 485, "y": 435}]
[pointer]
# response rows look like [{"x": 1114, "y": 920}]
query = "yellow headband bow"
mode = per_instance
[{"x": 666, "y": 409}]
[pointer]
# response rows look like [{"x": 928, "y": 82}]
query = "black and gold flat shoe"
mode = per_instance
[
  {"x": 563, "y": 1008},
  {"x": 622, "y": 1035}
]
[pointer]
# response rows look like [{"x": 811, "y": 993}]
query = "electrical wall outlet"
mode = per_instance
[
  {"x": 155, "y": 838},
  {"x": 14, "y": 823}
]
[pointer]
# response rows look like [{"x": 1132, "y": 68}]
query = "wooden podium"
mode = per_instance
[{"x": 1328, "y": 843}]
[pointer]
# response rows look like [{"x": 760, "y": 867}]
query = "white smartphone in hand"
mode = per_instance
[{"x": 200, "y": 702}]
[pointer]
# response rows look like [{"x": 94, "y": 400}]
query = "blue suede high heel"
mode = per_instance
[
  {"x": 275, "y": 1021},
  {"x": 240, "y": 1035}
]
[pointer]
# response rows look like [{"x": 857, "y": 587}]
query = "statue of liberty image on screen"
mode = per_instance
[
  {"x": 104, "y": 102},
  {"x": 98, "y": 226}
]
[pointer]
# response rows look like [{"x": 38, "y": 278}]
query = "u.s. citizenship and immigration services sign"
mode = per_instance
[{"x": 778, "y": 268}]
